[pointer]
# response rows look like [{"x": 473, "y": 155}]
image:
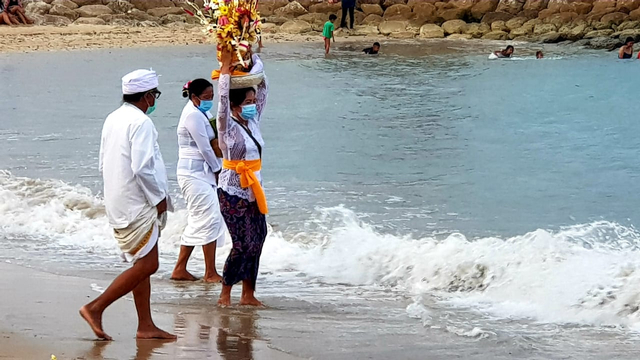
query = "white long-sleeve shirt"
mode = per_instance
[
  {"x": 195, "y": 154},
  {"x": 131, "y": 164},
  {"x": 235, "y": 142}
]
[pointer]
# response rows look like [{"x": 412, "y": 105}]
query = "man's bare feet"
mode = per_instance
[
  {"x": 224, "y": 301},
  {"x": 182, "y": 275},
  {"x": 154, "y": 333},
  {"x": 250, "y": 301},
  {"x": 214, "y": 279},
  {"x": 95, "y": 322}
]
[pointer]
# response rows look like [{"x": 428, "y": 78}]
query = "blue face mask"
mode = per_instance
[
  {"x": 205, "y": 105},
  {"x": 151, "y": 109},
  {"x": 249, "y": 112}
]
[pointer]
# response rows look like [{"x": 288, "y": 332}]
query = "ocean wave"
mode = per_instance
[{"x": 586, "y": 274}]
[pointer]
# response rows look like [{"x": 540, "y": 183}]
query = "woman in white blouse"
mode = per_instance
[
  {"x": 198, "y": 165},
  {"x": 242, "y": 199}
]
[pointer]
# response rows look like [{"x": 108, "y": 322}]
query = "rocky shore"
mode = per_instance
[{"x": 593, "y": 23}]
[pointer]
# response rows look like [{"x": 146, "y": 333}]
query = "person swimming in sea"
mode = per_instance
[
  {"x": 539, "y": 55},
  {"x": 506, "y": 53},
  {"x": 372, "y": 50},
  {"x": 626, "y": 51}
]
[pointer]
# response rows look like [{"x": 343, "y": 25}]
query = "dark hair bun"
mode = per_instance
[{"x": 185, "y": 93}]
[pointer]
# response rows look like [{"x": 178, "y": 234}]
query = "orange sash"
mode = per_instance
[{"x": 246, "y": 169}]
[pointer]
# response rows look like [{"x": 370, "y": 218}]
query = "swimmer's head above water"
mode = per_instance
[
  {"x": 508, "y": 51},
  {"x": 539, "y": 54}
]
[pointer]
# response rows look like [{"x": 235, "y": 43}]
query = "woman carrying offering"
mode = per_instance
[
  {"x": 198, "y": 164},
  {"x": 242, "y": 198}
]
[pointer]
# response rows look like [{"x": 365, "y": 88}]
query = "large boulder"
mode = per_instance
[
  {"x": 576, "y": 33},
  {"x": 325, "y": 8},
  {"x": 515, "y": 23},
  {"x": 56, "y": 20},
  {"x": 293, "y": 9},
  {"x": 372, "y": 19},
  {"x": 164, "y": 11},
  {"x": 173, "y": 19},
  {"x": 521, "y": 31},
  {"x": 89, "y": 21},
  {"x": 37, "y": 8},
  {"x": 431, "y": 31},
  {"x": 483, "y": 7},
  {"x": 397, "y": 12},
  {"x": 499, "y": 26},
  {"x": 496, "y": 35},
  {"x": 454, "y": 27},
  {"x": 598, "y": 33},
  {"x": 146, "y": 5},
  {"x": 634, "y": 15},
  {"x": 425, "y": 12},
  {"x": 453, "y": 14},
  {"x": 631, "y": 33},
  {"x": 366, "y": 30},
  {"x": 394, "y": 26},
  {"x": 629, "y": 25},
  {"x": 93, "y": 10},
  {"x": 66, "y": 3},
  {"x": 604, "y": 42},
  {"x": 477, "y": 31},
  {"x": 389, "y": 3},
  {"x": 296, "y": 27},
  {"x": 556, "y": 5},
  {"x": 511, "y": 6},
  {"x": 544, "y": 29},
  {"x": 140, "y": 15},
  {"x": 550, "y": 38},
  {"x": 615, "y": 18},
  {"x": 578, "y": 7},
  {"x": 63, "y": 11},
  {"x": 561, "y": 19},
  {"x": 82, "y": 3},
  {"x": 369, "y": 9},
  {"x": 627, "y": 6},
  {"x": 602, "y": 5},
  {"x": 120, "y": 6},
  {"x": 535, "y": 5},
  {"x": 495, "y": 16}
]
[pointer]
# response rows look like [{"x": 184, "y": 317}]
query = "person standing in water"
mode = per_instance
[
  {"x": 199, "y": 162},
  {"x": 136, "y": 198},
  {"x": 327, "y": 33},
  {"x": 242, "y": 199},
  {"x": 626, "y": 51}
]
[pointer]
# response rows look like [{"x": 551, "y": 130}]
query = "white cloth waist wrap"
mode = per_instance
[{"x": 137, "y": 235}]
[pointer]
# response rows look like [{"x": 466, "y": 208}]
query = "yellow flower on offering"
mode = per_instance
[{"x": 223, "y": 10}]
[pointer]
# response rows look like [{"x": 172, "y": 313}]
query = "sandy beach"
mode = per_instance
[{"x": 78, "y": 37}]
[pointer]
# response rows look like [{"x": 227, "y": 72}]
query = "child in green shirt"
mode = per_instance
[{"x": 327, "y": 33}]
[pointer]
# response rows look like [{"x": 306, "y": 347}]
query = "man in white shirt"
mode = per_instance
[{"x": 136, "y": 200}]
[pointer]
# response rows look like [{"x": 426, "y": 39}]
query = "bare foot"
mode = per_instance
[
  {"x": 95, "y": 321},
  {"x": 224, "y": 301},
  {"x": 154, "y": 333},
  {"x": 250, "y": 301},
  {"x": 215, "y": 278},
  {"x": 184, "y": 275}
]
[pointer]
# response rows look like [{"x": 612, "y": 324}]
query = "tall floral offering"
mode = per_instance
[{"x": 235, "y": 25}]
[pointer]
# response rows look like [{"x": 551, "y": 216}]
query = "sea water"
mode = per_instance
[{"x": 487, "y": 199}]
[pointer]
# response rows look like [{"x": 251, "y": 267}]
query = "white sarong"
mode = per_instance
[
  {"x": 205, "y": 223},
  {"x": 138, "y": 239}
]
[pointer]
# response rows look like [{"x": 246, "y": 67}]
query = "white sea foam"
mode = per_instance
[{"x": 587, "y": 274}]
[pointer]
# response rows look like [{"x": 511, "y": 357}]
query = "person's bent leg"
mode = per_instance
[
  {"x": 24, "y": 17},
  {"x": 147, "y": 329},
  {"x": 210, "y": 273},
  {"x": 180, "y": 272},
  {"x": 122, "y": 285}
]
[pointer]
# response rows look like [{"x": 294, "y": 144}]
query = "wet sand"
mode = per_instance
[{"x": 39, "y": 317}]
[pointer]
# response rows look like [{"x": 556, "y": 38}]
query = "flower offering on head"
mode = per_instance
[{"x": 235, "y": 23}]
